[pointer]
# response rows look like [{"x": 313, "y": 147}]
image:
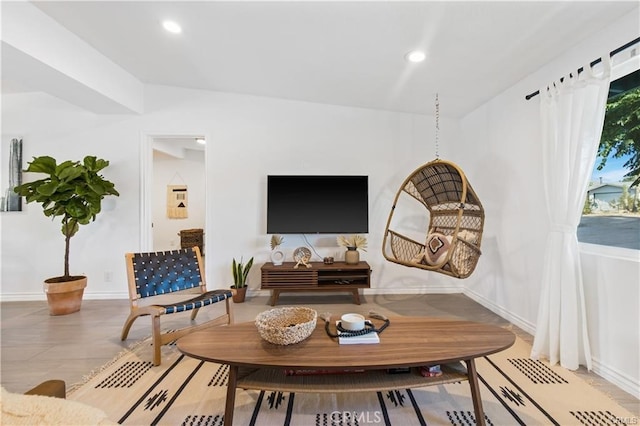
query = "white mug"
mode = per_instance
[{"x": 352, "y": 322}]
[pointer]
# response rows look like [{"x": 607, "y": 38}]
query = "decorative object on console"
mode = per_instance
[
  {"x": 277, "y": 255},
  {"x": 302, "y": 256},
  {"x": 240, "y": 272},
  {"x": 286, "y": 326},
  {"x": 72, "y": 190},
  {"x": 352, "y": 256},
  {"x": 353, "y": 243},
  {"x": 328, "y": 260}
]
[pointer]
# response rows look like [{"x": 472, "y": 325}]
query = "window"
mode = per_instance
[{"x": 611, "y": 214}]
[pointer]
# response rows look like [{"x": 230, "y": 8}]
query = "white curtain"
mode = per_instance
[{"x": 572, "y": 115}]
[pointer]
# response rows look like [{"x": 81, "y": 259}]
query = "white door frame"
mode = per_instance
[{"x": 146, "y": 182}]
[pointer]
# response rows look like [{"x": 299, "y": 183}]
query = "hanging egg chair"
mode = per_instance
[{"x": 456, "y": 219}]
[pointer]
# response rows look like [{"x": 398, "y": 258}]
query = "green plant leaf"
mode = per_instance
[
  {"x": 70, "y": 229},
  {"x": 42, "y": 164},
  {"x": 234, "y": 270},
  {"x": 245, "y": 273},
  {"x": 47, "y": 189},
  {"x": 68, "y": 172},
  {"x": 94, "y": 164}
]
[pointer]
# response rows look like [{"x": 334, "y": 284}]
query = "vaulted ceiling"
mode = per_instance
[{"x": 342, "y": 53}]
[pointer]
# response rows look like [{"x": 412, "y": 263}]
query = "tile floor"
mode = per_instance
[{"x": 36, "y": 346}]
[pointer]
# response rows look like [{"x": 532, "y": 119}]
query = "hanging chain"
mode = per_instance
[{"x": 437, "y": 127}]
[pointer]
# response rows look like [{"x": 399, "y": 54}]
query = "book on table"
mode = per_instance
[{"x": 362, "y": 339}]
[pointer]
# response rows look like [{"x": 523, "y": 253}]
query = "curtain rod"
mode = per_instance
[{"x": 618, "y": 50}]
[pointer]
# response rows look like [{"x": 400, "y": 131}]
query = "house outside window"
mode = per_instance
[{"x": 611, "y": 214}]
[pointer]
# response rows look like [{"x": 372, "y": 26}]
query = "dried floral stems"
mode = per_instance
[{"x": 357, "y": 241}]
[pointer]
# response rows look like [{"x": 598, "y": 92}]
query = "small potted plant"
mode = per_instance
[
  {"x": 353, "y": 243},
  {"x": 72, "y": 191},
  {"x": 240, "y": 272}
]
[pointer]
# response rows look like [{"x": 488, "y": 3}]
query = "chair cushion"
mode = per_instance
[
  {"x": 436, "y": 248},
  {"x": 199, "y": 301}
]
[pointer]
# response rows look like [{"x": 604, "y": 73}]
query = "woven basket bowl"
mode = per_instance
[{"x": 286, "y": 326}]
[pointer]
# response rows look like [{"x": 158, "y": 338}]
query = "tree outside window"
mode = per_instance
[{"x": 611, "y": 210}]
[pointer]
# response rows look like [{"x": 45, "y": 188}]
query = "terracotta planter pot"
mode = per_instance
[
  {"x": 239, "y": 294},
  {"x": 64, "y": 297}
]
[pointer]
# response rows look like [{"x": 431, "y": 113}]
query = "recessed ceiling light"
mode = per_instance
[
  {"x": 172, "y": 27},
  {"x": 415, "y": 56},
  {"x": 201, "y": 141}
]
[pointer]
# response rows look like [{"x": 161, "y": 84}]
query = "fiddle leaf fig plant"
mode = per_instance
[{"x": 71, "y": 190}]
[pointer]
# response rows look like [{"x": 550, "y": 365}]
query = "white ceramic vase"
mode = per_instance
[{"x": 277, "y": 256}]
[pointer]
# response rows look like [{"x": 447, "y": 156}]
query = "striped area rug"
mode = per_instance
[{"x": 184, "y": 391}]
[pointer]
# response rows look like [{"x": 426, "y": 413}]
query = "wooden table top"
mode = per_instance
[{"x": 407, "y": 342}]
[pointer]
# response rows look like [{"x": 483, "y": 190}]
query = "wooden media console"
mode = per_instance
[{"x": 335, "y": 277}]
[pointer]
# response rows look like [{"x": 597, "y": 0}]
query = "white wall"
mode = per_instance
[
  {"x": 168, "y": 170},
  {"x": 499, "y": 147},
  {"x": 248, "y": 138}
]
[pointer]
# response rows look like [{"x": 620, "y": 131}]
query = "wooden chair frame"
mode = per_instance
[{"x": 176, "y": 272}]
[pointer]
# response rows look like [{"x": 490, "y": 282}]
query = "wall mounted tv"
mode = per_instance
[{"x": 317, "y": 204}]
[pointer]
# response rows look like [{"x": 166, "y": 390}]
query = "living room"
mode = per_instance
[{"x": 250, "y": 136}]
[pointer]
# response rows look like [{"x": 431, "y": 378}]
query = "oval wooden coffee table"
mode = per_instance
[{"x": 408, "y": 342}]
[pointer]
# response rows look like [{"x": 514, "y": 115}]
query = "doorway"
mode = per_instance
[{"x": 173, "y": 188}]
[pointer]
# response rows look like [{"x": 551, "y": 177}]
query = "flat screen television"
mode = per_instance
[{"x": 317, "y": 204}]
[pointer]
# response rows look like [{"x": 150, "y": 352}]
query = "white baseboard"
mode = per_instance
[
  {"x": 499, "y": 310},
  {"x": 30, "y": 297},
  {"x": 612, "y": 375},
  {"x": 431, "y": 290},
  {"x": 617, "y": 378}
]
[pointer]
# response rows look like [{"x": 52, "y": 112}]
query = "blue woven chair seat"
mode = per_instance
[{"x": 197, "y": 302}]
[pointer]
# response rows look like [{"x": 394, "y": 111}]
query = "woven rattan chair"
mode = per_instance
[
  {"x": 454, "y": 211},
  {"x": 177, "y": 274}
]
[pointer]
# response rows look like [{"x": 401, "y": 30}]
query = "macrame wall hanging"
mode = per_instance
[
  {"x": 177, "y": 202},
  {"x": 456, "y": 219}
]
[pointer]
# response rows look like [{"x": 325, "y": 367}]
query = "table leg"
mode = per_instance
[
  {"x": 274, "y": 297},
  {"x": 231, "y": 395},
  {"x": 356, "y": 296},
  {"x": 475, "y": 391}
]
